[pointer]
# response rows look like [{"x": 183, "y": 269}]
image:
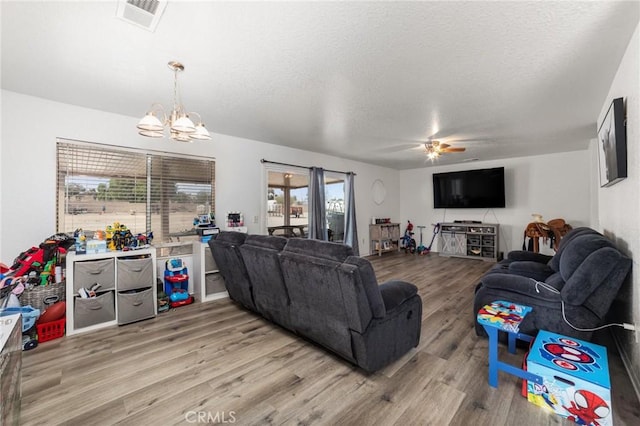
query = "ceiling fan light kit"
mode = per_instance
[
  {"x": 181, "y": 127},
  {"x": 436, "y": 148}
]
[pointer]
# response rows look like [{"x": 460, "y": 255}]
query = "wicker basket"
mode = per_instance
[{"x": 39, "y": 297}]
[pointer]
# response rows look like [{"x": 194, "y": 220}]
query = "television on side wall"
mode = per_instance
[
  {"x": 612, "y": 145},
  {"x": 469, "y": 189}
]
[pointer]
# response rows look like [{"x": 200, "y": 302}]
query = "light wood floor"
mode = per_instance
[{"x": 220, "y": 362}]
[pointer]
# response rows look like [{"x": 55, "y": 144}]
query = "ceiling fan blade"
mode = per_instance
[
  {"x": 454, "y": 149},
  {"x": 443, "y": 145}
]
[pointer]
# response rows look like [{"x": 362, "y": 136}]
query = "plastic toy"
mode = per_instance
[
  {"x": 29, "y": 316},
  {"x": 407, "y": 242},
  {"x": 163, "y": 302},
  {"x": 176, "y": 283},
  {"x": 26, "y": 261}
]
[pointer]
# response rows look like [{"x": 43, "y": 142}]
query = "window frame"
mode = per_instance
[{"x": 150, "y": 156}]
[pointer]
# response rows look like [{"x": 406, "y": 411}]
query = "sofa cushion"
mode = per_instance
[
  {"x": 266, "y": 241},
  {"x": 317, "y": 248},
  {"x": 261, "y": 258},
  {"x": 554, "y": 263},
  {"x": 225, "y": 248},
  {"x": 578, "y": 250},
  {"x": 235, "y": 238},
  {"x": 527, "y": 256},
  {"x": 370, "y": 284},
  {"x": 395, "y": 293},
  {"x": 603, "y": 271},
  {"x": 535, "y": 270}
]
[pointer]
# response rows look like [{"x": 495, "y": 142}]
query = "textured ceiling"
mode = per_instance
[{"x": 359, "y": 80}]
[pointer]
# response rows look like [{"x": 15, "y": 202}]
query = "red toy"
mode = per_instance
[{"x": 54, "y": 312}]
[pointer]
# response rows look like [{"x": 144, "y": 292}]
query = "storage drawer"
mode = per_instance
[
  {"x": 488, "y": 241},
  {"x": 134, "y": 273},
  {"x": 135, "y": 306},
  {"x": 94, "y": 271},
  {"x": 94, "y": 310},
  {"x": 214, "y": 283},
  {"x": 209, "y": 262},
  {"x": 473, "y": 239},
  {"x": 487, "y": 252}
]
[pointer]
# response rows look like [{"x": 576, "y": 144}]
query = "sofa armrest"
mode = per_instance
[
  {"x": 387, "y": 339},
  {"x": 395, "y": 293},
  {"x": 521, "y": 285},
  {"x": 535, "y": 270},
  {"x": 529, "y": 256}
]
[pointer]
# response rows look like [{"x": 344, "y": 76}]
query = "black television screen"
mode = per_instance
[{"x": 469, "y": 189}]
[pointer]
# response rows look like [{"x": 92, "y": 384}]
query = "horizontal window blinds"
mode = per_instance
[{"x": 98, "y": 185}]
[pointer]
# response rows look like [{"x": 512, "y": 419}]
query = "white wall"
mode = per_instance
[
  {"x": 28, "y": 168},
  {"x": 619, "y": 205},
  {"x": 555, "y": 186}
]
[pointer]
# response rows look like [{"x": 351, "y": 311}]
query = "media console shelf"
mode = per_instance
[{"x": 470, "y": 240}]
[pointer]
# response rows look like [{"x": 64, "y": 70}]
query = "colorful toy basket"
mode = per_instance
[{"x": 51, "y": 330}]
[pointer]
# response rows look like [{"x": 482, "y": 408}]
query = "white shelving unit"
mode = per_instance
[
  {"x": 127, "y": 290},
  {"x": 384, "y": 237},
  {"x": 208, "y": 282},
  {"x": 185, "y": 251}
]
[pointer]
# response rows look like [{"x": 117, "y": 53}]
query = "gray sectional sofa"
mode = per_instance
[
  {"x": 322, "y": 292},
  {"x": 585, "y": 275}
]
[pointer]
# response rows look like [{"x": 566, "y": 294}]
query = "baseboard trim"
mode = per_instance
[{"x": 635, "y": 381}]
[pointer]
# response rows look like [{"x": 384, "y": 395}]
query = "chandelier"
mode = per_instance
[{"x": 181, "y": 128}]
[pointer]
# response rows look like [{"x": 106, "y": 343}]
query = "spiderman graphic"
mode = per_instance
[{"x": 587, "y": 407}]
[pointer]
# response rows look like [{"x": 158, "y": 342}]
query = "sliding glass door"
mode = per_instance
[{"x": 287, "y": 202}]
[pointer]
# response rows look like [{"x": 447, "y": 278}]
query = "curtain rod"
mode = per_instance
[{"x": 303, "y": 167}]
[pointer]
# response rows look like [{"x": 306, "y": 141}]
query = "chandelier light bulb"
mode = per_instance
[{"x": 150, "y": 122}]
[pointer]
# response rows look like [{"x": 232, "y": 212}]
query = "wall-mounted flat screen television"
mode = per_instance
[{"x": 469, "y": 189}]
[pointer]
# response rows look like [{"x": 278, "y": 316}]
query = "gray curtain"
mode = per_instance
[
  {"x": 350, "y": 228},
  {"x": 317, "y": 209}
]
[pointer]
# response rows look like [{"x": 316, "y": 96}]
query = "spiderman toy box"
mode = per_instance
[{"x": 575, "y": 379}]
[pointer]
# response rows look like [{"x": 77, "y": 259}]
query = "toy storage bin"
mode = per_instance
[
  {"x": 89, "y": 272},
  {"x": 214, "y": 284},
  {"x": 94, "y": 310},
  {"x": 134, "y": 273},
  {"x": 575, "y": 375},
  {"x": 473, "y": 240},
  {"x": 51, "y": 330},
  {"x": 135, "y": 306}
]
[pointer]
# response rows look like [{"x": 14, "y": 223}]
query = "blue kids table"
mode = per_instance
[{"x": 504, "y": 316}]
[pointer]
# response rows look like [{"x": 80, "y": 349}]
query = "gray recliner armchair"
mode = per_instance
[{"x": 585, "y": 275}]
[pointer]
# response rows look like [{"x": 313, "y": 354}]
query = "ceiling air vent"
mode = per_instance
[{"x": 142, "y": 13}]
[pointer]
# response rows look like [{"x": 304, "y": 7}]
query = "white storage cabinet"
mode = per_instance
[{"x": 127, "y": 290}]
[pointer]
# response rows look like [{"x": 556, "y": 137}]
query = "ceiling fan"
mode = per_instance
[{"x": 437, "y": 148}]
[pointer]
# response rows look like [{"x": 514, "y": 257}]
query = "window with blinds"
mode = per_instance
[{"x": 98, "y": 185}]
